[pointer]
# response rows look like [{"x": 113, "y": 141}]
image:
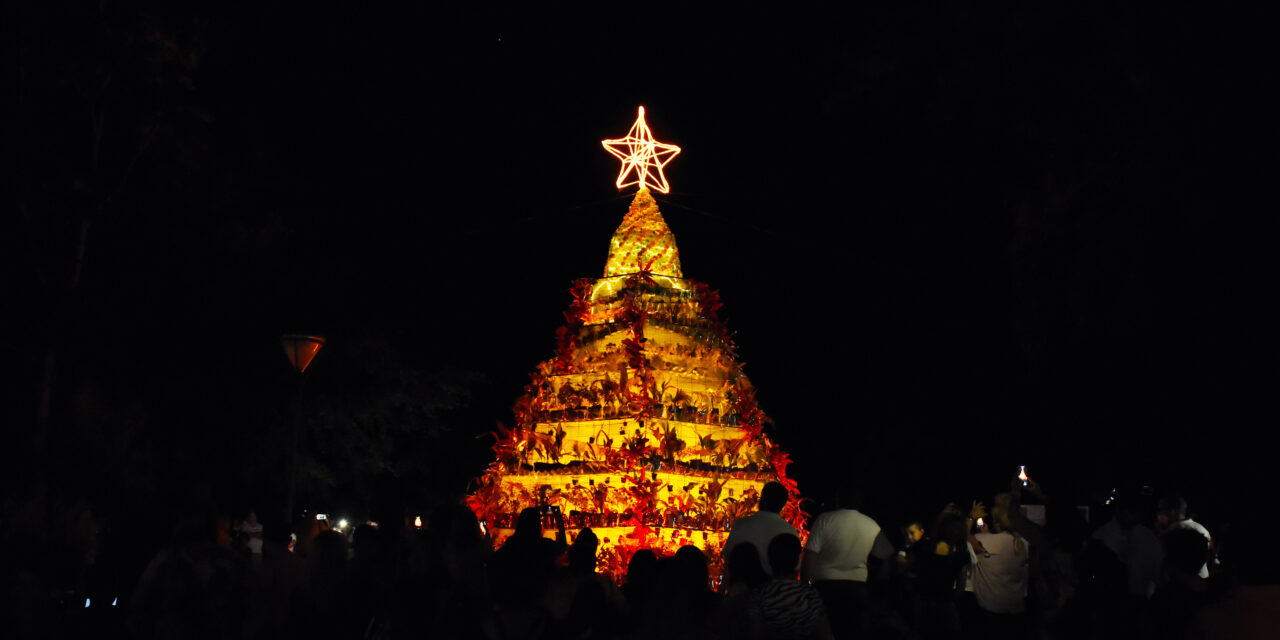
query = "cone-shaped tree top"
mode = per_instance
[{"x": 643, "y": 242}]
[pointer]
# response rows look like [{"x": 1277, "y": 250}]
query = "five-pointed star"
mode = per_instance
[{"x": 640, "y": 153}]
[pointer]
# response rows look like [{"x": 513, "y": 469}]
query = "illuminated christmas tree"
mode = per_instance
[{"x": 643, "y": 426}]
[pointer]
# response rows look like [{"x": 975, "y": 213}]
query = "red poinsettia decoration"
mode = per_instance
[
  {"x": 634, "y": 350},
  {"x": 504, "y": 447},
  {"x": 643, "y": 278},
  {"x": 750, "y": 417},
  {"x": 709, "y": 301},
  {"x": 566, "y": 343},
  {"x": 780, "y": 459},
  {"x": 581, "y": 305},
  {"x": 631, "y": 314}
]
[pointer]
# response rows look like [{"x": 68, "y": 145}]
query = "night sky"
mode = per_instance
[{"x": 949, "y": 240}]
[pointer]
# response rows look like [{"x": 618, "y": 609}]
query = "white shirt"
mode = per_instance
[
  {"x": 254, "y": 531},
  {"x": 1140, "y": 551},
  {"x": 839, "y": 543},
  {"x": 999, "y": 577},
  {"x": 1198, "y": 528},
  {"x": 759, "y": 529}
]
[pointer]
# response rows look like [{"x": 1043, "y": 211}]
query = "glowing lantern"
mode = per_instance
[{"x": 301, "y": 349}]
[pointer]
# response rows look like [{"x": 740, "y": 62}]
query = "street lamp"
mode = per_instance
[{"x": 300, "y": 349}]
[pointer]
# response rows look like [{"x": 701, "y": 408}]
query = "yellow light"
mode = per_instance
[
  {"x": 417, "y": 522},
  {"x": 643, "y": 155},
  {"x": 642, "y": 244},
  {"x": 643, "y": 426}
]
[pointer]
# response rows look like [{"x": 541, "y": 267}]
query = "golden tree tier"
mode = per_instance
[{"x": 643, "y": 426}]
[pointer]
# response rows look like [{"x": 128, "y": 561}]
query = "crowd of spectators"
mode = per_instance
[{"x": 1145, "y": 569}]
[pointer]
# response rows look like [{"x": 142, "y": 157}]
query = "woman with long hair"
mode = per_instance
[{"x": 1001, "y": 565}]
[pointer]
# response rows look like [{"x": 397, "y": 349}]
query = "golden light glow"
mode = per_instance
[
  {"x": 642, "y": 156},
  {"x": 643, "y": 426},
  {"x": 643, "y": 243},
  {"x": 610, "y": 286}
]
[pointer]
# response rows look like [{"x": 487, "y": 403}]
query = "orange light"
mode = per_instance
[
  {"x": 301, "y": 349},
  {"x": 417, "y": 522},
  {"x": 643, "y": 155},
  {"x": 642, "y": 427}
]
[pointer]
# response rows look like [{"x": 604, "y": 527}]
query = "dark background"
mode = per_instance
[{"x": 949, "y": 240}]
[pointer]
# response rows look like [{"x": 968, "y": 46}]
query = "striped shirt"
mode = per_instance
[{"x": 789, "y": 609}]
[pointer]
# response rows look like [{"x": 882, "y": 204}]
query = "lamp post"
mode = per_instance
[{"x": 300, "y": 349}]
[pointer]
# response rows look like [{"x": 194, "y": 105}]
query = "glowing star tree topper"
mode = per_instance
[{"x": 642, "y": 156}]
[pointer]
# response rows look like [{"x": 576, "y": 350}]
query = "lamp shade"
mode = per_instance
[{"x": 301, "y": 349}]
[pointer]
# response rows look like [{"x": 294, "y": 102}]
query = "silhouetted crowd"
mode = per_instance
[{"x": 1023, "y": 567}]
